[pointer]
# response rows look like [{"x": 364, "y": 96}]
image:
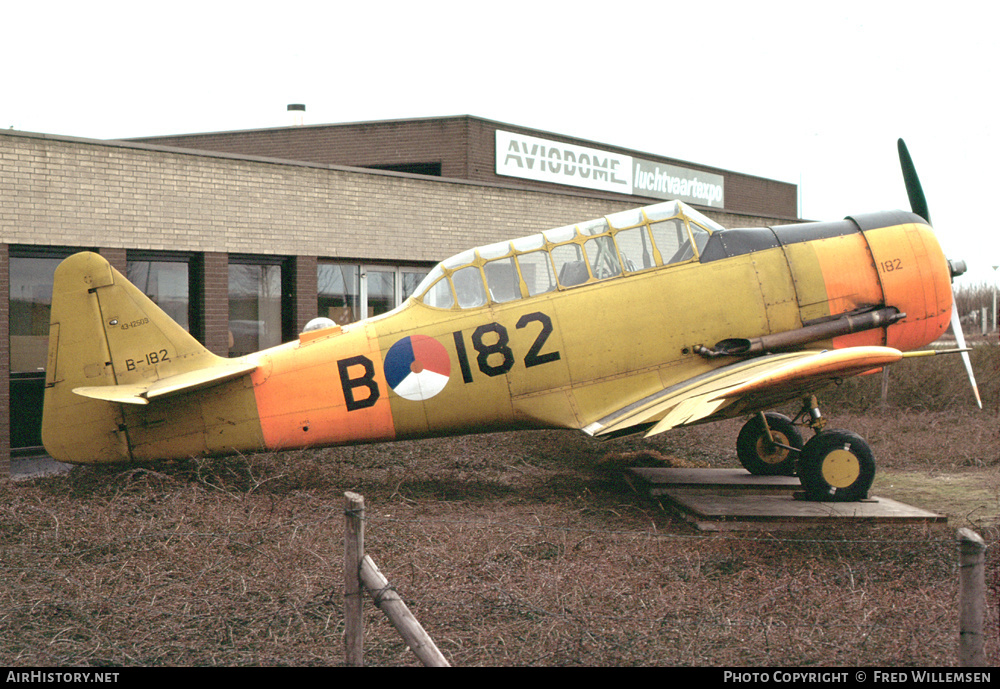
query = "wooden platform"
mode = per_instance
[{"x": 734, "y": 499}]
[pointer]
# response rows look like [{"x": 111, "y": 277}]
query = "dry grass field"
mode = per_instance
[{"x": 511, "y": 549}]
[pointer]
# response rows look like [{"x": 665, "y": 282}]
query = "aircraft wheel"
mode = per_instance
[
  {"x": 836, "y": 466},
  {"x": 763, "y": 458}
]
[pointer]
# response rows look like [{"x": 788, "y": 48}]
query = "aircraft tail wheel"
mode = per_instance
[
  {"x": 836, "y": 466},
  {"x": 761, "y": 456}
]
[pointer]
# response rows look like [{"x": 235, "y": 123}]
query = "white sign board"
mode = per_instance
[{"x": 529, "y": 157}]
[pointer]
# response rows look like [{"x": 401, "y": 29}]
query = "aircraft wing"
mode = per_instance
[{"x": 777, "y": 376}]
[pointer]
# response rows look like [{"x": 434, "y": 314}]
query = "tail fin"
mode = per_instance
[{"x": 106, "y": 335}]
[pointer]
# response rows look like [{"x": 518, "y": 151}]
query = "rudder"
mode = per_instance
[{"x": 104, "y": 332}]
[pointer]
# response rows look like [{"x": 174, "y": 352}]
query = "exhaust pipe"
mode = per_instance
[{"x": 790, "y": 339}]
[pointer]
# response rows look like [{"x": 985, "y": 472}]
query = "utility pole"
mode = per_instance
[{"x": 996, "y": 326}]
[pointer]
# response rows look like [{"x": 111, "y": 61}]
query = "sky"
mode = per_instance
[{"x": 815, "y": 94}]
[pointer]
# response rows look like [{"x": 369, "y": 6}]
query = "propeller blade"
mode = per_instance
[
  {"x": 918, "y": 203},
  {"x": 956, "y": 327}
]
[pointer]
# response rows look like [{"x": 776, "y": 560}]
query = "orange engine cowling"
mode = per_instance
[{"x": 914, "y": 276}]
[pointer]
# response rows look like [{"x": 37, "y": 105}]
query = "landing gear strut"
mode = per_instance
[{"x": 833, "y": 466}]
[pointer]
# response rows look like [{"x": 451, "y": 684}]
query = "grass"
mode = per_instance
[
  {"x": 511, "y": 549},
  {"x": 969, "y": 499}
]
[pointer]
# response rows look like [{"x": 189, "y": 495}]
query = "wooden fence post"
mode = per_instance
[
  {"x": 354, "y": 553},
  {"x": 971, "y": 598},
  {"x": 360, "y": 573},
  {"x": 402, "y": 619},
  {"x": 884, "y": 392}
]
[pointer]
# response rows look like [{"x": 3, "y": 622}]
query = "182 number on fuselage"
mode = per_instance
[
  {"x": 493, "y": 356},
  {"x": 491, "y": 343}
]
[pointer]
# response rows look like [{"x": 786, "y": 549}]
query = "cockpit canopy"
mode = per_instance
[{"x": 617, "y": 245}]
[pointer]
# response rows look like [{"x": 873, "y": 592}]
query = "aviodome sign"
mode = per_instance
[{"x": 529, "y": 157}]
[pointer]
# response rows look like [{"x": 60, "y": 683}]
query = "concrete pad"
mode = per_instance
[
  {"x": 734, "y": 499},
  {"x": 23, "y": 468}
]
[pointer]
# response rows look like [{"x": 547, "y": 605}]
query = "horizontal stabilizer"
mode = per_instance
[{"x": 142, "y": 393}]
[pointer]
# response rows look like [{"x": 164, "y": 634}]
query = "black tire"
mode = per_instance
[
  {"x": 760, "y": 457},
  {"x": 836, "y": 466}
]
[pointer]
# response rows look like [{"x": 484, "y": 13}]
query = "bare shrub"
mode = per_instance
[
  {"x": 972, "y": 299},
  {"x": 937, "y": 383},
  {"x": 511, "y": 548}
]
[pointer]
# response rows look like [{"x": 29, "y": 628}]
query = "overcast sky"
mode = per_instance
[{"x": 810, "y": 93}]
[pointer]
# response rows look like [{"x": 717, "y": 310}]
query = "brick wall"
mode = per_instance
[
  {"x": 117, "y": 258},
  {"x": 304, "y": 284},
  {"x": 4, "y": 365},
  {"x": 466, "y": 148},
  {"x": 213, "y": 279},
  {"x": 87, "y": 194},
  {"x": 442, "y": 140}
]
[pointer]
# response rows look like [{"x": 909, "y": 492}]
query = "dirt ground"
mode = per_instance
[{"x": 522, "y": 548}]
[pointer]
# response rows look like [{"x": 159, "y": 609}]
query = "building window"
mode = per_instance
[
  {"x": 31, "y": 276},
  {"x": 31, "y": 280},
  {"x": 379, "y": 290},
  {"x": 348, "y": 292},
  {"x": 166, "y": 279},
  {"x": 433, "y": 168},
  {"x": 411, "y": 278},
  {"x": 255, "y": 306},
  {"x": 339, "y": 291}
]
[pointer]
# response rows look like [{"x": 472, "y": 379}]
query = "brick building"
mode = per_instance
[
  {"x": 243, "y": 237},
  {"x": 465, "y": 148}
]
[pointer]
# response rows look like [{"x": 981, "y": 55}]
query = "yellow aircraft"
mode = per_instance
[{"x": 641, "y": 321}]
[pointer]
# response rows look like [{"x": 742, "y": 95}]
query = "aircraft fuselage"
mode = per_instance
[{"x": 533, "y": 354}]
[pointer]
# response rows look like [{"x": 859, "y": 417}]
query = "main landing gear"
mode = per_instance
[{"x": 833, "y": 466}]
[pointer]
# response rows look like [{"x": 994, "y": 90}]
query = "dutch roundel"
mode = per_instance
[{"x": 417, "y": 367}]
